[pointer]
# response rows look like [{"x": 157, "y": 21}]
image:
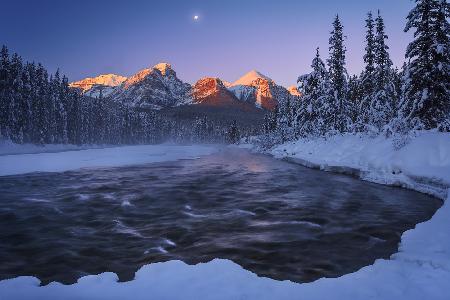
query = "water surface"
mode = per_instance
[{"x": 275, "y": 219}]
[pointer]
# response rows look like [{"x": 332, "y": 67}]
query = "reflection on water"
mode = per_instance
[{"x": 273, "y": 218}]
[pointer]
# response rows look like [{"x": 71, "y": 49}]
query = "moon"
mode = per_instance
[{"x": 196, "y": 17}]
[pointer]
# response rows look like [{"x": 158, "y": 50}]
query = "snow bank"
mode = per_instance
[
  {"x": 104, "y": 157},
  {"x": 420, "y": 270},
  {"x": 8, "y": 147},
  {"x": 423, "y": 164}
]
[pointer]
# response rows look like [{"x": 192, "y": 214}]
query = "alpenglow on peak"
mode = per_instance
[
  {"x": 163, "y": 67},
  {"x": 250, "y": 77}
]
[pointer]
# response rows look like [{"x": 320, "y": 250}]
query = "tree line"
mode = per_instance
[
  {"x": 39, "y": 108},
  {"x": 382, "y": 99}
]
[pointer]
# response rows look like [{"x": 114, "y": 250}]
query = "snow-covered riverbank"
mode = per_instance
[
  {"x": 422, "y": 165},
  {"x": 70, "y": 159}
]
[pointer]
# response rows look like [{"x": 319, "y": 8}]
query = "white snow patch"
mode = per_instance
[{"x": 106, "y": 157}]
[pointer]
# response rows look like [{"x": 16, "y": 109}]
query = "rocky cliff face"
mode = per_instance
[
  {"x": 212, "y": 91},
  {"x": 155, "y": 88}
]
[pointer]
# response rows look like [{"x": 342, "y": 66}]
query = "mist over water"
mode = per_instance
[{"x": 273, "y": 218}]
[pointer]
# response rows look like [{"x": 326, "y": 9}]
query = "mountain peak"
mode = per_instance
[
  {"x": 163, "y": 68},
  {"x": 104, "y": 80},
  {"x": 250, "y": 77}
]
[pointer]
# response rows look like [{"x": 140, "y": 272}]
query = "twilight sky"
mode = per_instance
[{"x": 276, "y": 37}]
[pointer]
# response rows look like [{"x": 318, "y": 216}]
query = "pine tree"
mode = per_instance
[
  {"x": 384, "y": 99},
  {"x": 338, "y": 76},
  {"x": 233, "y": 134},
  {"x": 369, "y": 57},
  {"x": 382, "y": 59},
  {"x": 15, "y": 117},
  {"x": 354, "y": 97},
  {"x": 4, "y": 93},
  {"x": 426, "y": 99},
  {"x": 316, "y": 115},
  {"x": 441, "y": 63}
]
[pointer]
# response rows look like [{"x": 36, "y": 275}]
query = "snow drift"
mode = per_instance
[{"x": 423, "y": 164}]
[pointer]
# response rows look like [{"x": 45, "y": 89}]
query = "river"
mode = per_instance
[{"x": 276, "y": 219}]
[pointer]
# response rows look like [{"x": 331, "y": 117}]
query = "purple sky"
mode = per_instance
[{"x": 278, "y": 38}]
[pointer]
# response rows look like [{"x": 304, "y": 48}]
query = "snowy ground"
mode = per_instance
[
  {"x": 420, "y": 270},
  {"x": 68, "y": 159},
  {"x": 423, "y": 164},
  {"x": 8, "y": 147}
]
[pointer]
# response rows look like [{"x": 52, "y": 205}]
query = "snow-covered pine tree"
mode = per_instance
[
  {"x": 384, "y": 99},
  {"x": 369, "y": 58},
  {"x": 316, "y": 115},
  {"x": 382, "y": 59},
  {"x": 16, "y": 118},
  {"x": 426, "y": 100},
  {"x": 368, "y": 75},
  {"x": 355, "y": 96},
  {"x": 4, "y": 93},
  {"x": 55, "y": 119},
  {"x": 338, "y": 76},
  {"x": 441, "y": 62}
]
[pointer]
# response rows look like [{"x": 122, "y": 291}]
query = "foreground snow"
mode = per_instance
[
  {"x": 421, "y": 270},
  {"x": 88, "y": 158},
  {"x": 423, "y": 164}
]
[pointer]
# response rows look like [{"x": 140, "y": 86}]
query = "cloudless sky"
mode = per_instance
[{"x": 276, "y": 37}]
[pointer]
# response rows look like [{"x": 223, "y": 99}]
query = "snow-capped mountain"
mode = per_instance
[
  {"x": 257, "y": 88},
  {"x": 155, "y": 88},
  {"x": 105, "y": 80},
  {"x": 159, "y": 87},
  {"x": 250, "y": 77}
]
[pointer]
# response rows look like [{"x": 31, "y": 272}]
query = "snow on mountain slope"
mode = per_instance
[
  {"x": 99, "y": 90},
  {"x": 243, "y": 92},
  {"x": 108, "y": 80},
  {"x": 259, "y": 89},
  {"x": 250, "y": 77},
  {"x": 155, "y": 88},
  {"x": 227, "y": 84}
]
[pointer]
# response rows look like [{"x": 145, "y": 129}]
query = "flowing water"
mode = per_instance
[{"x": 273, "y": 218}]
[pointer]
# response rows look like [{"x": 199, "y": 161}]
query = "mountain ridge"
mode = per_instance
[{"x": 159, "y": 87}]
